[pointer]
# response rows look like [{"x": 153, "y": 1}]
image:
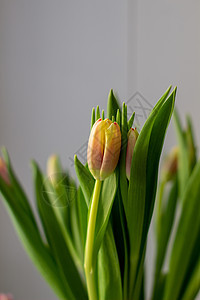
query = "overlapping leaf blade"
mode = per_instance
[
  {"x": 83, "y": 213},
  {"x": 20, "y": 194},
  {"x": 122, "y": 160},
  {"x": 183, "y": 162},
  {"x": 107, "y": 196},
  {"x": 193, "y": 287},
  {"x": 143, "y": 179},
  {"x": 112, "y": 105},
  {"x": 165, "y": 224},
  {"x": 67, "y": 267},
  {"x": 186, "y": 236},
  {"x": 32, "y": 242},
  {"x": 109, "y": 277},
  {"x": 85, "y": 178}
]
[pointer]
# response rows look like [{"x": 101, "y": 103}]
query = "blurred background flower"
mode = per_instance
[{"x": 6, "y": 297}]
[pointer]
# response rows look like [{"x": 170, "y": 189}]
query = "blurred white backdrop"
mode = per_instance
[{"x": 58, "y": 59}]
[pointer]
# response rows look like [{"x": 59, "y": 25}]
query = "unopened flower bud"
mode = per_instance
[
  {"x": 54, "y": 169},
  {"x": 4, "y": 171},
  {"x": 103, "y": 148},
  {"x": 132, "y": 138},
  {"x": 170, "y": 165}
]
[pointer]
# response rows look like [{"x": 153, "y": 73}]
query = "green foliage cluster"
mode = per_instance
[{"x": 124, "y": 216}]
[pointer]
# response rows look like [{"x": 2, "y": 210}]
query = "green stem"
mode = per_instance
[{"x": 88, "y": 264}]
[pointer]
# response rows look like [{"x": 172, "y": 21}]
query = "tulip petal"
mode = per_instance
[
  {"x": 112, "y": 150},
  {"x": 96, "y": 148}
]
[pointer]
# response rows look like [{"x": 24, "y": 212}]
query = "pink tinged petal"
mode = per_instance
[
  {"x": 112, "y": 150},
  {"x": 96, "y": 148},
  {"x": 132, "y": 138},
  {"x": 103, "y": 143},
  {"x": 4, "y": 172}
]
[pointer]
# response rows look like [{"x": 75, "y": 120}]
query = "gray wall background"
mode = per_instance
[{"x": 58, "y": 59}]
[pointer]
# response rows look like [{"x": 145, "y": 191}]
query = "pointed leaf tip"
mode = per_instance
[
  {"x": 97, "y": 113},
  {"x": 93, "y": 117},
  {"x": 112, "y": 105}
]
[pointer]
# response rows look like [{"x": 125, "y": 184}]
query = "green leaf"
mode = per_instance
[
  {"x": 102, "y": 114},
  {"x": 143, "y": 179},
  {"x": 140, "y": 277},
  {"x": 83, "y": 212},
  {"x": 107, "y": 196},
  {"x": 118, "y": 222},
  {"x": 122, "y": 160},
  {"x": 118, "y": 118},
  {"x": 158, "y": 292},
  {"x": 192, "y": 155},
  {"x": 186, "y": 236},
  {"x": 97, "y": 113},
  {"x": 112, "y": 105},
  {"x": 131, "y": 120},
  {"x": 75, "y": 223},
  {"x": 193, "y": 286},
  {"x": 126, "y": 254},
  {"x": 183, "y": 161},
  {"x": 20, "y": 194},
  {"x": 67, "y": 268},
  {"x": 195, "y": 256},
  {"x": 32, "y": 242},
  {"x": 109, "y": 277},
  {"x": 155, "y": 148},
  {"x": 85, "y": 178},
  {"x": 164, "y": 228},
  {"x": 61, "y": 196}
]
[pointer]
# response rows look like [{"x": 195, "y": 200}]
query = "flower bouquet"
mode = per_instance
[{"x": 93, "y": 241}]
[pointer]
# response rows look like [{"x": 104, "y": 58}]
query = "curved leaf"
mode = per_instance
[
  {"x": 112, "y": 105},
  {"x": 67, "y": 268},
  {"x": 143, "y": 179},
  {"x": 85, "y": 178},
  {"x": 109, "y": 277},
  {"x": 107, "y": 196},
  {"x": 186, "y": 236},
  {"x": 183, "y": 161},
  {"x": 32, "y": 242}
]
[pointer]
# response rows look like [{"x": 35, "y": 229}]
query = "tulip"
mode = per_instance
[
  {"x": 4, "y": 171},
  {"x": 103, "y": 148},
  {"x": 170, "y": 165},
  {"x": 132, "y": 138}
]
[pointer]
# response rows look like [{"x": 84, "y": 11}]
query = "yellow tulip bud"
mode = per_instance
[
  {"x": 54, "y": 169},
  {"x": 132, "y": 138},
  {"x": 103, "y": 148},
  {"x": 4, "y": 171},
  {"x": 170, "y": 165}
]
